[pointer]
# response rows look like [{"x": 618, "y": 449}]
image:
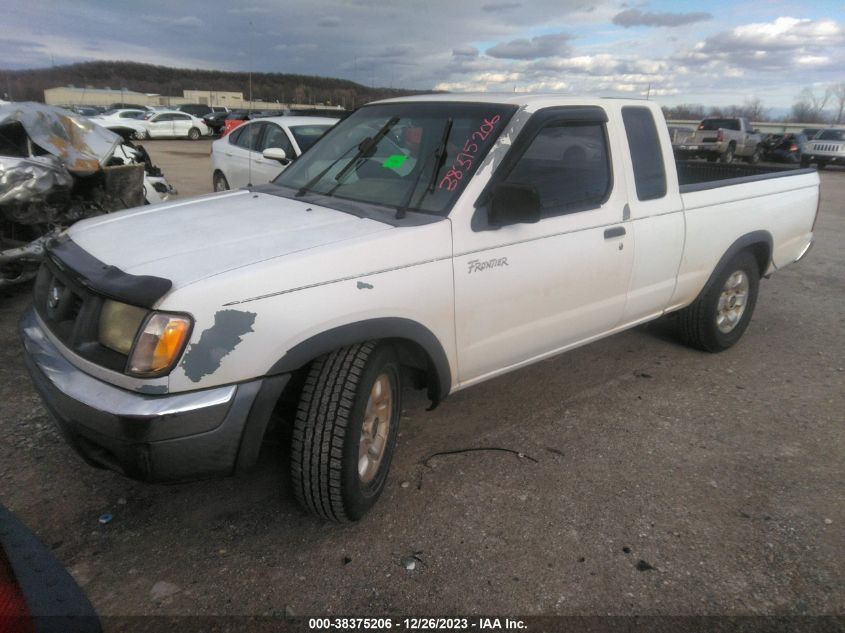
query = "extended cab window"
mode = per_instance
[
  {"x": 646, "y": 153},
  {"x": 569, "y": 166}
]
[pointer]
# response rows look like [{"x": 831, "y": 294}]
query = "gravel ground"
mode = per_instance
[{"x": 654, "y": 479}]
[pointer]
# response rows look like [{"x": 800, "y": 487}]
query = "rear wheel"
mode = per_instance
[
  {"x": 717, "y": 319},
  {"x": 345, "y": 430},
  {"x": 193, "y": 134},
  {"x": 220, "y": 182}
]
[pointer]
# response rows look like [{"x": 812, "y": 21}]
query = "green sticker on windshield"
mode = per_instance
[{"x": 394, "y": 161}]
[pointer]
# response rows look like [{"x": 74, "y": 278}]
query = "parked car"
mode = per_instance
[
  {"x": 234, "y": 119},
  {"x": 439, "y": 257},
  {"x": 88, "y": 111},
  {"x": 722, "y": 139},
  {"x": 199, "y": 110},
  {"x": 785, "y": 148},
  {"x": 827, "y": 148},
  {"x": 165, "y": 124},
  {"x": 59, "y": 167},
  {"x": 123, "y": 121},
  {"x": 215, "y": 120},
  {"x": 259, "y": 150},
  {"x": 36, "y": 592}
]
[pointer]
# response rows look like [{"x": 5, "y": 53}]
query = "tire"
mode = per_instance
[
  {"x": 219, "y": 182},
  {"x": 702, "y": 325},
  {"x": 728, "y": 155},
  {"x": 755, "y": 157},
  {"x": 139, "y": 135},
  {"x": 194, "y": 134},
  {"x": 330, "y": 476}
]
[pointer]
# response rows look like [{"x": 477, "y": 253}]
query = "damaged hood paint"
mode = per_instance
[{"x": 184, "y": 241}]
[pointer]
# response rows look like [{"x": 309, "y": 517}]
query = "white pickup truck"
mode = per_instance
[{"x": 430, "y": 242}]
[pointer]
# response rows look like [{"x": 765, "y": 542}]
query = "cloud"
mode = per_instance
[
  {"x": 465, "y": 52},
  {"x": 493, "y": 7},
  {"x": 537, "y": 47},
  {"x": 635, "y": 17}
]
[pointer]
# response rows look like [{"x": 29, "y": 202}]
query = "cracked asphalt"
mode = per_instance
[{"x": 641, "y": 477}]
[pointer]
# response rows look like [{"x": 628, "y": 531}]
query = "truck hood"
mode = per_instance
[{"x": 190, "y": 240}]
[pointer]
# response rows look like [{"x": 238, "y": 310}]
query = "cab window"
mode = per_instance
[{"x": 568, "y": 164}]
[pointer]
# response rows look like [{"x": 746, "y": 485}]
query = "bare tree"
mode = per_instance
[
  {"x": 809, "y": 108},
  {"x": 838, "y": 91}
]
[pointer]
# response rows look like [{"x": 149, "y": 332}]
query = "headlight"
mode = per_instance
[
  {"x": 159, "y": 344},
  {"x": 119, "y": 323}
]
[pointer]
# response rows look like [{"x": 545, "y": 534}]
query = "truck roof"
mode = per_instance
[{"x": 531, "y": 100}]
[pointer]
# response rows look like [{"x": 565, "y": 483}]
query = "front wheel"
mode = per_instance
[
  {"x": 139, "y": 135},
  {"x": 716, "y": 320},
  {"x": 728, "y": 155},
  {"x": 193, "y": 134},
  {"x": 345, "y": 430}
]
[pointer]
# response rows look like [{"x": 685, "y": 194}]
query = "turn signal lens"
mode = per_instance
[{"x": 160, "y": 344}]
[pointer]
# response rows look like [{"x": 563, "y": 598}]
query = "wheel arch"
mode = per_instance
[
  {"x": 758, "y": 243},
  {"x": 417, "y": 346}
]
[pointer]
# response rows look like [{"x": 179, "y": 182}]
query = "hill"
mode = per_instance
[{"x": 29, "y": 85}]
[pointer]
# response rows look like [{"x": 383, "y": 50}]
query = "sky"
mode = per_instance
[{"x": 714, "y": 52}]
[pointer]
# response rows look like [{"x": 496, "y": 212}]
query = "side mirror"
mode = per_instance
[
  {"x": 514, "y": 204},
  {"x": 276, "y": 153}
]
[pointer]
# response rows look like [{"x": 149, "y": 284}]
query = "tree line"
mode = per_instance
[
  {"x": 810, "y": 106},
  {"x": 29, "y": 85}
]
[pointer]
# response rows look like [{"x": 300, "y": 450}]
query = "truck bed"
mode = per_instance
[{"x": 694, "y": 175}]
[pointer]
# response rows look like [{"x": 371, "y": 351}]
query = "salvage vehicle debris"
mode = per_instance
[{"x": 57, "y": 167}]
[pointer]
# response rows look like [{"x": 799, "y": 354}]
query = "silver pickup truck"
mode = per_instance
[{"x": 721, "y": 139}]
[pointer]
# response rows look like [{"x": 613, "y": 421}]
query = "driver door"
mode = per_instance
[{"x": 525, "y": 291}]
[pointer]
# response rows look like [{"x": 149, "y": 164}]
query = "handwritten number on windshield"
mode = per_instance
[{"x": 464, "y": 160}]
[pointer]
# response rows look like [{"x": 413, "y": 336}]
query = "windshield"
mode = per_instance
[
  {"x": 831, "y": 135},
  {"x": 390, "y": 155},
  {"x": 712, "y": 125},
  {"x": 307, "y": 135}
]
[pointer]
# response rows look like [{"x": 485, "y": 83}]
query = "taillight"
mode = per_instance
[{"x": 793, "y": 148}]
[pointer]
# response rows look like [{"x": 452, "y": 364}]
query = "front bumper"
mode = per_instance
[
  {"x": 174, "y": 437},
  {"x": 834, "y": 159}
]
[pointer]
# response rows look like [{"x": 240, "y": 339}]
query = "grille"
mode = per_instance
[
  {"x": 828, "y": 147},
  {"x": 72, "y": 313}
]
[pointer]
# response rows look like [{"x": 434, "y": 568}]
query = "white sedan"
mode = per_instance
[
  {"x": 259, "y": 150},
  {"x": 123, "y": 121},
  {"x": 152, "y": 124}
]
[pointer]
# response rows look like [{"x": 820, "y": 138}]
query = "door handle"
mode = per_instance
[{"x": 616, "y": 231}]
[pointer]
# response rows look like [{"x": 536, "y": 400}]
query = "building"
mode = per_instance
[{"x": 72, "y": 95}]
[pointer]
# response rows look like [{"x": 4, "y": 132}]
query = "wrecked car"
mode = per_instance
[{"x": 57, "y": 167}]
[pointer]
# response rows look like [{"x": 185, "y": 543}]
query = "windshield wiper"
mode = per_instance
[
  {"x": 365, "y": 146},
  {"x": 440, "y": 154}
]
